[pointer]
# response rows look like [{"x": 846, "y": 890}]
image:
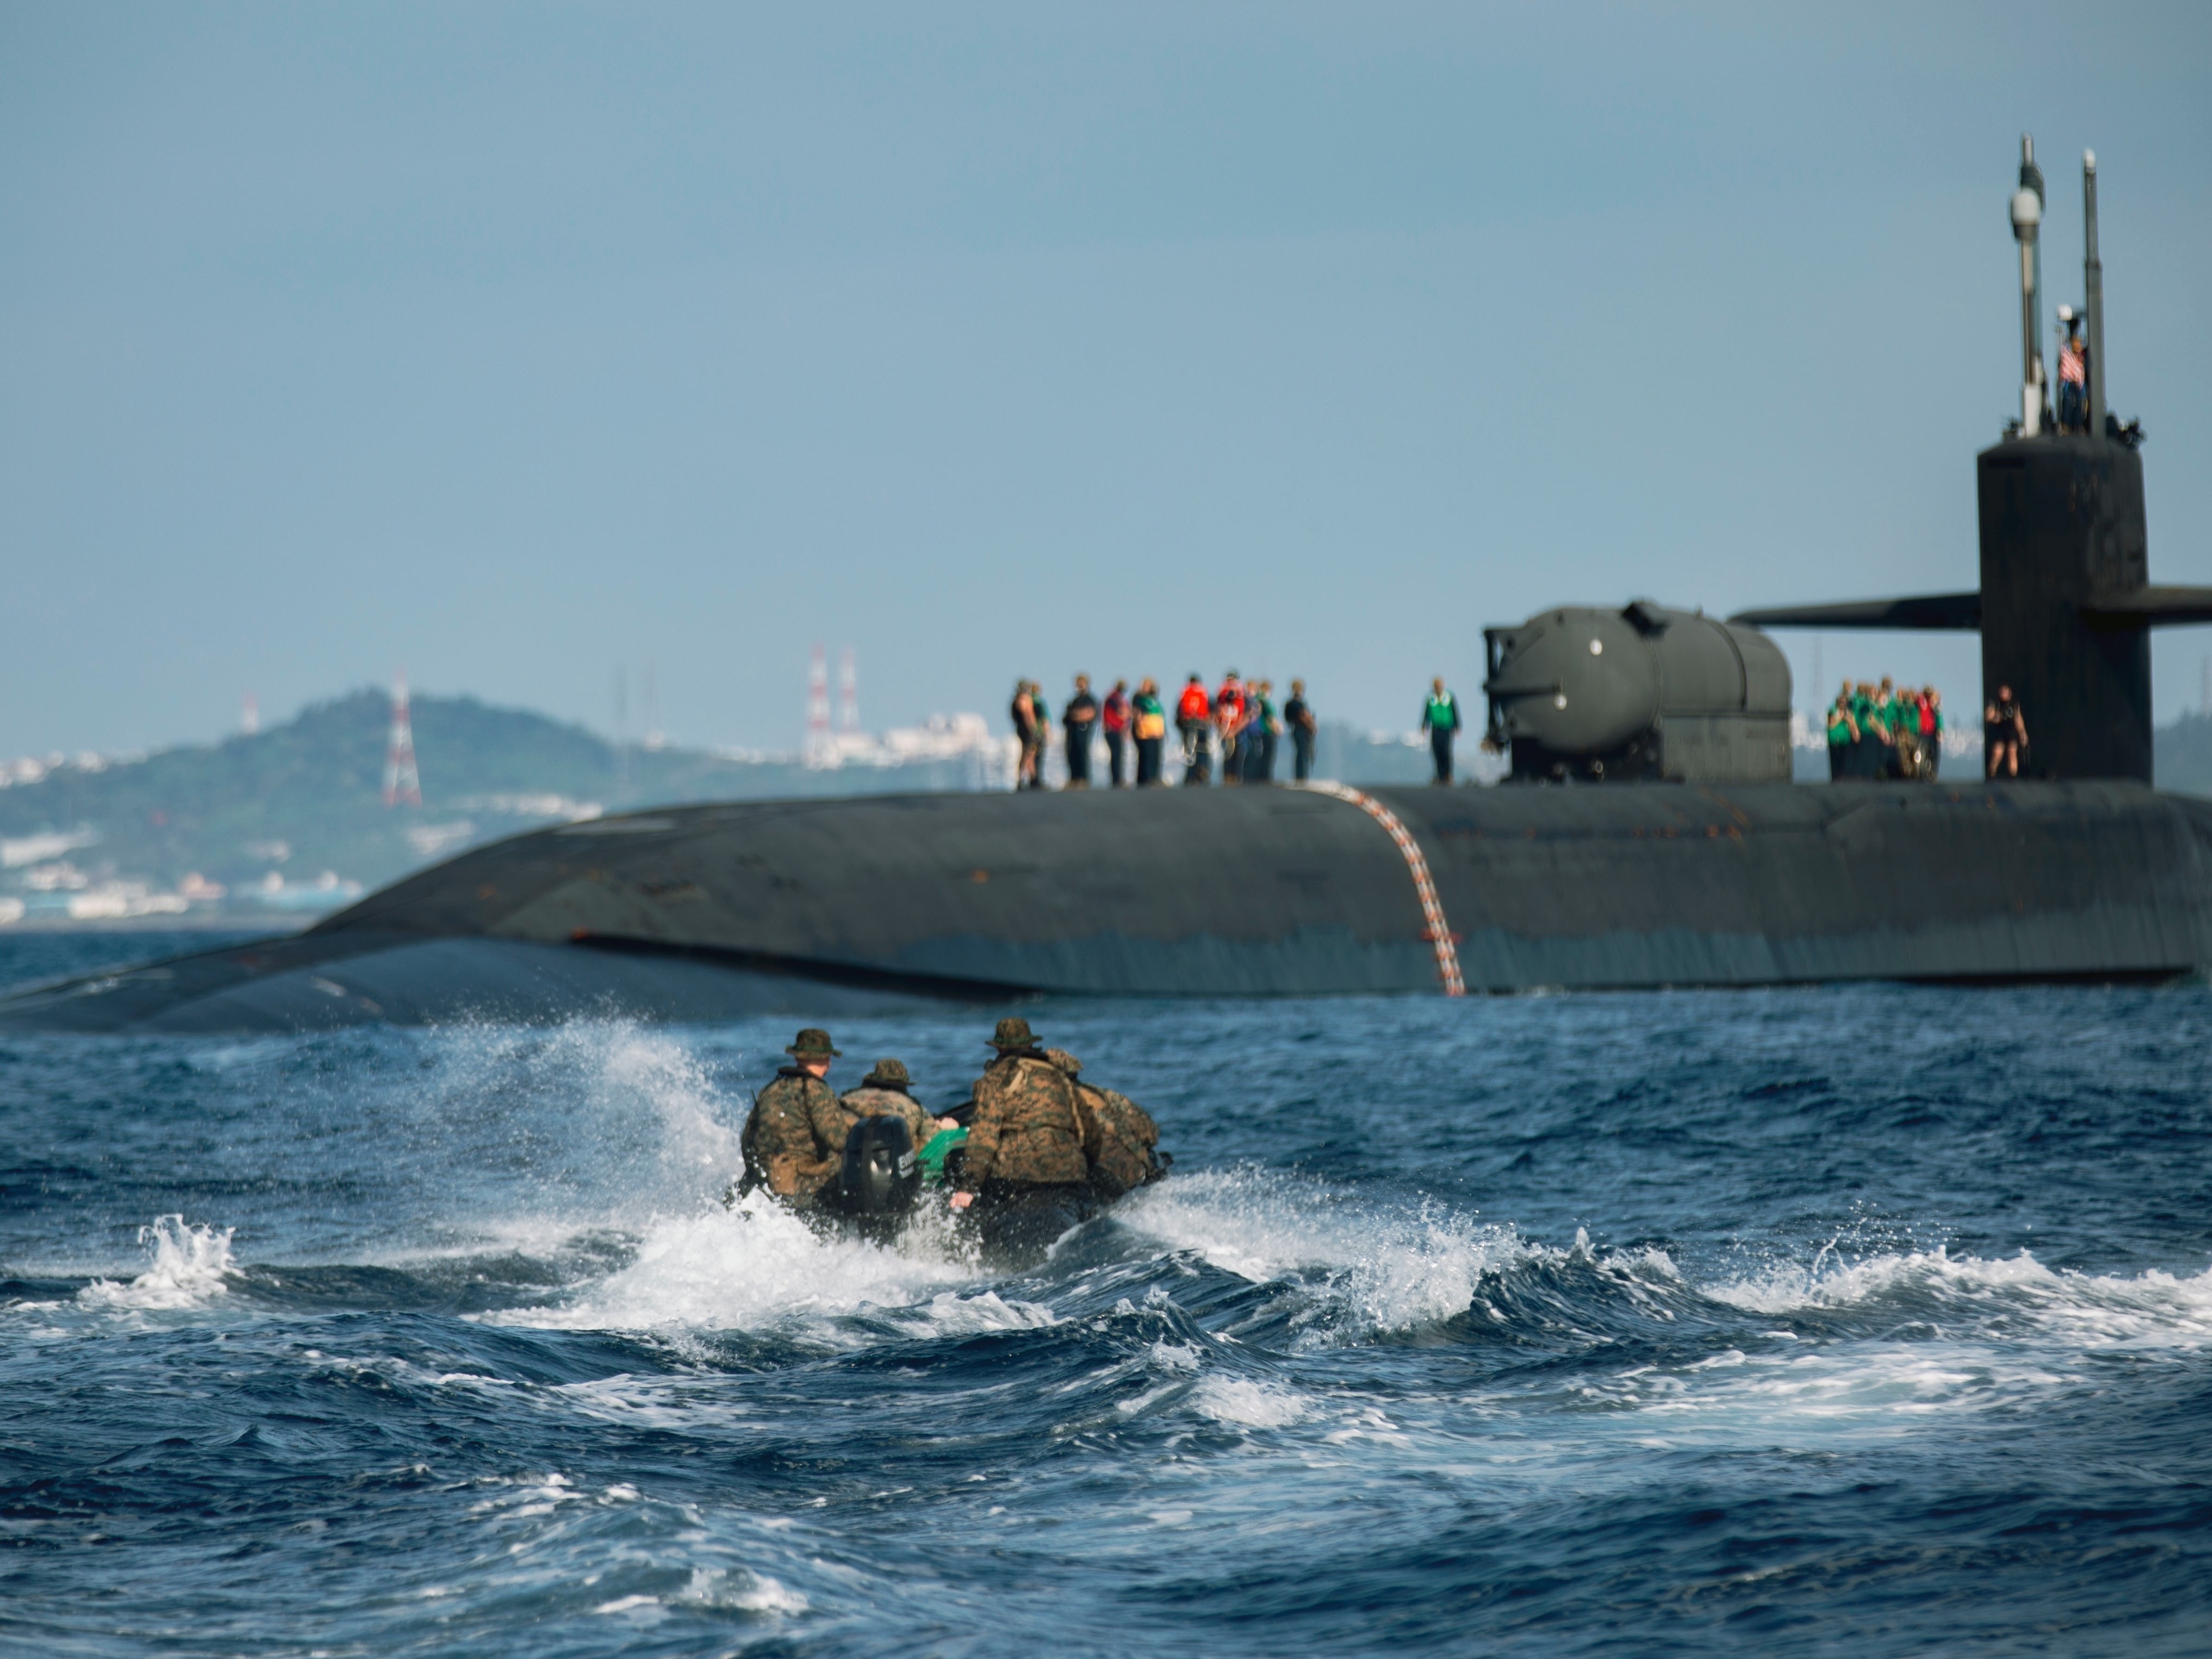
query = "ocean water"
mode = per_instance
[{"x": 1860, "y": 1319}]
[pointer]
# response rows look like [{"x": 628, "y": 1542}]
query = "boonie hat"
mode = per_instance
[
  {"x": 891, "y": 1072},
  {"x": 1013, "y": 1033},
  {"x": 813, "y": 1043}
]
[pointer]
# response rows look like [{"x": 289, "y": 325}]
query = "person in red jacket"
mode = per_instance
[
  {"x": 1114, "y": 721},
  {"x": 1195, "y": 720}
]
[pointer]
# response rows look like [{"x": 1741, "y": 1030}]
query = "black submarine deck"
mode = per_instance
[{"x": 830, "y": 907}]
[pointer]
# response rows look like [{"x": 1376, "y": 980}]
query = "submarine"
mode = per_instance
[{"x": 1649, "y": 834}]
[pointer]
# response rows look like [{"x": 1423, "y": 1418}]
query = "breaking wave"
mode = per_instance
[{"x": 2015, "y": 1294}]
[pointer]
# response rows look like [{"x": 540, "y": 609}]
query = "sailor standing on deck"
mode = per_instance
[
  {"x": 1148, "y": 726},
  {"x": 1114, "y": 721},
  {"x": 1026, "y": 1136},
  {"x": 1194, "y": 721},
  {"x": 1041, "y": 711},
  {"x": 1440, "y": 720},
  {"x": 1842, "y": 732},
  {"x": 1080, "y": 717},
  {"x": 1024, "y": 713},
  {"x": 1228, "y": 719},
  {"x": 2004, "y": 734},
  {"x": 794, "y": 1140},
  {"x": 1262, "y": 729},
  {"x": 2073, "y": 374},
  {"x": 1298, "y": 715}
]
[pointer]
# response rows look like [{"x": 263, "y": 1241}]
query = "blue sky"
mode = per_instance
[{"x": 524, "y": 345}]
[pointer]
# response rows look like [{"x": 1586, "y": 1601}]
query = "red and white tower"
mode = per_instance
[
  {"x": 848, "y": 692},
  {"x": 402, "y": 782},
  {"x": 821, "y": 747}
]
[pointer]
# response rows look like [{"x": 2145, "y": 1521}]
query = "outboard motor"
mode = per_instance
[{"x": 881, "y": 1176}]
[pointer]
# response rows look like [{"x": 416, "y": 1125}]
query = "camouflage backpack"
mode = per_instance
[{"x": 1118, "y": 1138}]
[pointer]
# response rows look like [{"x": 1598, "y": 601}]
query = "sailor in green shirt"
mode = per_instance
[
  {"x": 1148, "y": 724},
  {"x": 1261, "y": 731},
  {"x": 1864, "y": 745},
  {"x": 1842, "y": 731},
  {"x": 1888, "y": 717},
  {"x": 1440, "y": 720}
]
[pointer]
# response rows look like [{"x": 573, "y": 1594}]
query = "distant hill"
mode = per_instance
[{"x": 307, "y": 797}]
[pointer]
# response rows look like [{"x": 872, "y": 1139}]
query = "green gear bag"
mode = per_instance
[{"x": 931, "y": 1157}]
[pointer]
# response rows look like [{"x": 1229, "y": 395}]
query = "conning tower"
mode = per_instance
[{"x": 2065, "y": 604}]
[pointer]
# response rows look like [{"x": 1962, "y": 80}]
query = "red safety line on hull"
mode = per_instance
[{"x": 1432, "y": 909}]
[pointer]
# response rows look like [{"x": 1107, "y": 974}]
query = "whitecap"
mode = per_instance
[
  {"x": 1240, "y": 1404},
  {"x": 747, "y": 1592},
  {"x": 1375, "y": 1266},
  {"x": 757, "y": 1266},
  {"x": 2084, "y": 1310},
  {"x": 192, "y": 1266}
]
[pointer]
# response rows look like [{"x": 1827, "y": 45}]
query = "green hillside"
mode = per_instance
[{"x": 307, "y": 797}]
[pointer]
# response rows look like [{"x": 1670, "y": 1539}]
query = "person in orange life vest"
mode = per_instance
[
  {"x": 1194, "y": 721},
  {"x": 1228, "y": 721}
]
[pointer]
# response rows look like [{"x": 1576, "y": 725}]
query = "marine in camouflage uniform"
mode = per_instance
[
  {"x": 1118, "y": 1134},
  {"x": 883, "y": 1093},
  {"x": 794, "y": 1140},
  {"x": 1026, "y": 1132}
]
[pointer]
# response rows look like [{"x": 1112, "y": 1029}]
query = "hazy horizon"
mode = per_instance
[{"x": 520, "y": 346}]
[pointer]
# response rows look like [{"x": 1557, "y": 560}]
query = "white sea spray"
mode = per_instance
[{"x": 191, "y": 1267}]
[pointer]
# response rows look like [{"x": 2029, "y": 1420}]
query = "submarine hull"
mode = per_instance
[{"x": 840, "y": 907}]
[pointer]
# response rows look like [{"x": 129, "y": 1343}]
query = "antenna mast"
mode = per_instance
[
  {"x": 2093, "y": 293},
  {"x": 821, "y": 748},
  {"x": 2026, "y": 219},
  {"x": 402, "y": 782}
]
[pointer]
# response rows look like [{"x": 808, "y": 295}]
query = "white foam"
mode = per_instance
[
  {"x": 748, "y": 1592},
  {"x": 757, "y": 1266},
  {"x": 2085, "y": 1311},
  {"x": 189, "y": 1269},
  {"x": 951, "y": 1314},
  {"x": 1388, "y": 1268},
  {"x": 1974, "y": 1335},
  {"x": 1247, "y": 1405}
]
